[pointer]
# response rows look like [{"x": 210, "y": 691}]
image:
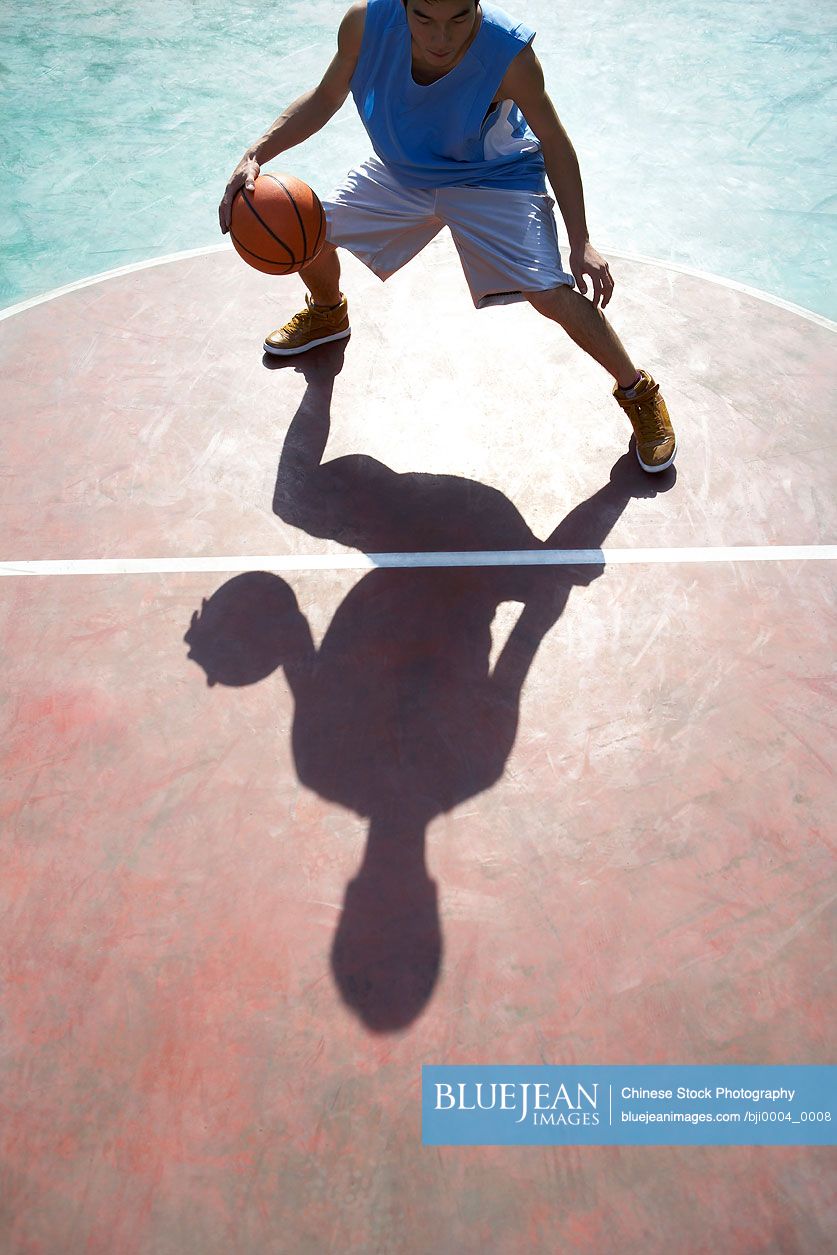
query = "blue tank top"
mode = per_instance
[{"x": 438, "y": 135}]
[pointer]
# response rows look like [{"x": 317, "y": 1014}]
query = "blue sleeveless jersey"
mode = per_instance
[{"x": 438, "y": 135}]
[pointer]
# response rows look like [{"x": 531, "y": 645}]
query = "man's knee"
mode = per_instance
[
  {"x": 554, "y": 302},
  {"x": 326, "y": 250},
  {"x": 314, "y": 268}
]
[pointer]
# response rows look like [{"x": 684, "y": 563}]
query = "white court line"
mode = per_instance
[
  {"x": 658, "y": 262},
  {"x": 464, "y": 558}
]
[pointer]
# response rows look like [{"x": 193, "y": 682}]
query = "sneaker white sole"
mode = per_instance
[
  {"x": 653, "y": 470},
  {"x": 312, "y": 344}
]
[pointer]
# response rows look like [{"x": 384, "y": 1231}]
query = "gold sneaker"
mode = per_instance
[
  {"x": 310, "y": 327},
  {"x": 656, "y": 443}
]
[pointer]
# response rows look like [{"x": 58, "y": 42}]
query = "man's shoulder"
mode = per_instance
[
  {"x": 524, "y": 68},
  {"x": 378, "y": 15},
  {"x": 351, "y": 28},
  {"x": 355, "y": 15}
]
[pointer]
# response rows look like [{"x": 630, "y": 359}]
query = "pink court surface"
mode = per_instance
[{"x": 282, "y": 822}]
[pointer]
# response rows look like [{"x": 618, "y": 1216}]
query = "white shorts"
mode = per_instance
[{"x": 506, "y": 239}]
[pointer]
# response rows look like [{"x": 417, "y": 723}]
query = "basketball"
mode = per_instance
[{"x": 279, "y": 226}]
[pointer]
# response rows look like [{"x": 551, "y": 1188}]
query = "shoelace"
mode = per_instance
[
  {"x": 297, "y": 322},
  {"x": 648, "y": 419},
  {"x": 646, "y": 414}
]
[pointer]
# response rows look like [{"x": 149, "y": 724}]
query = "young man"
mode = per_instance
[{"x": 452, "y": 97}]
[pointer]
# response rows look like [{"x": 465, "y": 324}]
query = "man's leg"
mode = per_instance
[
  {"x": 326, "y": 315},
  {"x": 322, "y": 276},
  {"x": 383, "y": 223},
  {"x": 588, "y": 327},
  {"x": 656, "y": 444}
]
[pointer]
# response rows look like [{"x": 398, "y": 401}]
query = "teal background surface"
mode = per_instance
[{"x": 703, "y": 130}]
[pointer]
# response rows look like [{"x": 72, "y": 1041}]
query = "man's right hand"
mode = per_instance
[{"x": 244, "y": 175}]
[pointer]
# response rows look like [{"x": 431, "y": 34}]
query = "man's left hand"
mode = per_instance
[{"x": 584, "y": 260}]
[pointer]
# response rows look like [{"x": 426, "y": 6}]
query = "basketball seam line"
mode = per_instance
[
  {"x": 321, "y": 228},
  {"x": 269, "y": 261},
  {"x": 276, "y": 179},
  {"x": 270, "y": 232}
]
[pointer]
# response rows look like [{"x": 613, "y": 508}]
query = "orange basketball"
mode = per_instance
[{"x": 279, "y": 226}]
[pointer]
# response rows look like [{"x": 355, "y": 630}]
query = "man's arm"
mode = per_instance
[
  {"x": 310, "y": 112},
  {"x": 305, "y": 116},
  {"x": 524, "y": 84}
]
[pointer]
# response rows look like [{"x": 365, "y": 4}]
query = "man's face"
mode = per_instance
[{"x": 441, "y": 29}]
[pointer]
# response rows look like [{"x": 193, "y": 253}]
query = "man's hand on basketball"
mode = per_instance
[
  {"x": 584, "y": 260},
  {"x": 244, "y": 175}
]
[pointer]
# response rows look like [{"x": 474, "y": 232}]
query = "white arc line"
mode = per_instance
[
  {"x": 464, "y": 558},
  {"x": 659, "y": 263}
]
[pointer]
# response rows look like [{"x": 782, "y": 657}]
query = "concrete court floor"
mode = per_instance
[{"x": 272, "y": 838}]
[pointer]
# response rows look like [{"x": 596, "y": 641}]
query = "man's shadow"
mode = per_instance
[{"x": 399, "y": 715}]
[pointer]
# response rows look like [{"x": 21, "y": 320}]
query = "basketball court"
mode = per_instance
[{"x": 371, "y": 709}]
